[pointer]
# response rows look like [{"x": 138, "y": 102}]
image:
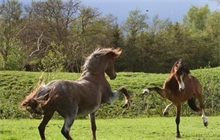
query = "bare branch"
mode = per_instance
[
  {"x": 39, "y": 41},
  {"x": 23, "y": 28}
]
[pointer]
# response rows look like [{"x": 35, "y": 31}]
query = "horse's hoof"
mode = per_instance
[
  {"x": 146, "y": 91},
  {"x": 206, "y": 124},
  {"x": 123, "y": 90},
  {"x": 165, "y": 113},
  {"x": 178, "y": 135},
  {"x": 127, "y": 104}
]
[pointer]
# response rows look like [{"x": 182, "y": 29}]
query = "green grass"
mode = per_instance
[
  {"x": 152, "y": 128},
  {"x": 15, "y": 85}
]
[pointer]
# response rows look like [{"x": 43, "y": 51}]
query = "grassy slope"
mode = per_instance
[
  {"x": 152, "y": 128},
  {"x": 15, "y": 85}
]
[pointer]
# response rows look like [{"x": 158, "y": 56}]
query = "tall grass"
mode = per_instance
[{"x": 15, "y": 85}]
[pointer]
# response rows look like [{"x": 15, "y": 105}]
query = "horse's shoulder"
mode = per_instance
[
  {"x": 192, "y": 78},
  {"x": 170, "y": 83}
]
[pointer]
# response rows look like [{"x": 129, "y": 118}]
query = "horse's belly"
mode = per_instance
[{"x": 87, "y": 109}]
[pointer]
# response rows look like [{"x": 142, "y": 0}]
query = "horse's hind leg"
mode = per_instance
[
  {"x": 93, "y": 125},
  {"x": 204, "y": 118},
  {"x": 68, "y": 122},
  {"x": 202, "y": 107},
  {"x": 43, "y": 124}
]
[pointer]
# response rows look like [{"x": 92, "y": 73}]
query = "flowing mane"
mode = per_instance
[{"x": 98, "y": 52}]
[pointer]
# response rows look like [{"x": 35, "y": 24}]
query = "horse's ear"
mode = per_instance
[
  {"x": 114, "y": 53},
  {"x": 186, "y": 69}
]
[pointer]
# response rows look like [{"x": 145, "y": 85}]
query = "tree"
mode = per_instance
[
  {"x": 158, "y": 25},
  {"x": 10, "y": 14},
  {"x": 93, "y": 31},
  {"x": 134, "y": 25},
  {"x": 212, "y": 30},
  {"x": 155, "y": 44},
  {"x": 196, "y": 17},
  {"x": 196, "y": 23},
  {"x": 51, "y": 22},
  {"x": 85, "y": 37}
]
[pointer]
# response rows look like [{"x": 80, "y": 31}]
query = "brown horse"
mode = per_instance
[
  {"x": 83, "y": 96},
  {"x": 180, "y": 87}
]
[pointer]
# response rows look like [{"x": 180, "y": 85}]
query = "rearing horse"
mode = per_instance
[
  {"x": 179, "y": 87},
  {"x": 83, "y": 96}
]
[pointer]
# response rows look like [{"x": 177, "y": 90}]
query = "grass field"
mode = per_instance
[
  {"x": 15, "y": 85},
  {"x": 152, "y": 128}
]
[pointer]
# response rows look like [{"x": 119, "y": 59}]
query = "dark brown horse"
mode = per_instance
[
  {"x": 83, "y": 96},
  {"x": 179, "y": 87}
]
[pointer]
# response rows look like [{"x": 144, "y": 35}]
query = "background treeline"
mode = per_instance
[{"x": 55, "y": 35}]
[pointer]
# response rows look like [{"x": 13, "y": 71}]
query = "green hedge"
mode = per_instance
[{"x": 15, "y": 85}]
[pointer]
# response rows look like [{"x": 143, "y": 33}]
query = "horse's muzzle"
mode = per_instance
[{"x": 181, "y": 89}]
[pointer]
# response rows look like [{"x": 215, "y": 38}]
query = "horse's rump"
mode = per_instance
[
  {"x": 192, "y": 104},
  {"x": 36, "y": 99},
  {"x": 195, "y": 83}
]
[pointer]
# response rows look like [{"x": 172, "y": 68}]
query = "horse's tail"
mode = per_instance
[
  {"x": 192, "y": 104},
  {"x": 36, "y": 99}
]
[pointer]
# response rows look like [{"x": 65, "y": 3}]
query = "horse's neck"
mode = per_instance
[
  {"x": 101, "y": 84},
  {"x": 171, "y": 83},
  {"x": 93, "y": 77},
  {"x": 98, "y": 80}
]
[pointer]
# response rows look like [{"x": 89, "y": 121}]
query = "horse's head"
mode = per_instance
[
  {"x": 179, "y": 71},
  {"x": 110, "y": 69},
  {"x": 102, "y": 60}
]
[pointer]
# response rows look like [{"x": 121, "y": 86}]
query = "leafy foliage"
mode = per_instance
[{"x": 68, "y": 31}]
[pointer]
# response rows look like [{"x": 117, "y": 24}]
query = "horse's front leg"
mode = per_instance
[
  {"x": 165, "y": 111},
  {"x": 127, "y": 97},
  {"x": 93, "y": 125},
  {"x": 178, "y": 110},
  {"x": 124, "y": 91},
  {"x": 160, "y": 91},
  {"x": 68, "y": 122},
  {"x": 163, "y": 93}
]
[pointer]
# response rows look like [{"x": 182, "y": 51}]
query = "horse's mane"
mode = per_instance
[
  {"x": 104, "y": 51},
  {"x": 184, "y": 68},
  {"x": 114, "y": 53}
]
